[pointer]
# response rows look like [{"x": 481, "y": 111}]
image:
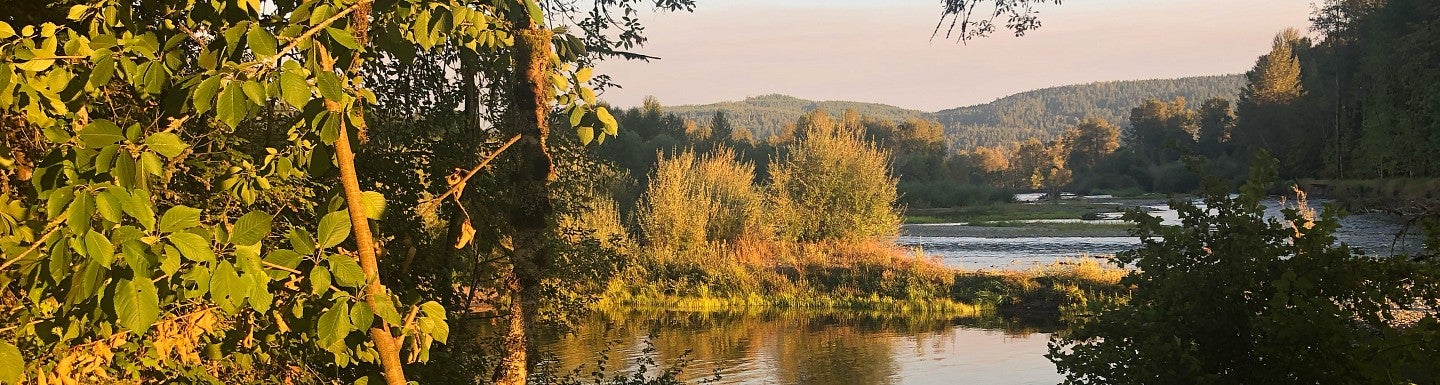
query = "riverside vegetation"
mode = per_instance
[
  {"x": 817, "y": 235},
  {"x": 325, "y": 191}
]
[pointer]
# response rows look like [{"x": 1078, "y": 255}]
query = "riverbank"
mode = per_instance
[
  {"x": 852, "y": 276},
  {"x": 1359, "y": 195}
]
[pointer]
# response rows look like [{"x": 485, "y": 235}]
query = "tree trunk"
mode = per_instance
[
  {"x": 531, "y": 210},
  {"x": 385, "y": 344}
]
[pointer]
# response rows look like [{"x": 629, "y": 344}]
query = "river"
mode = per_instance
[
  {"x": 972, "y": 247},
  {"x": 802, "y": 348},
  {"x": 792, "y": 347}
]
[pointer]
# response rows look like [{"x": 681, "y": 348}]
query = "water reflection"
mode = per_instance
[{"x": 815, "y": 348}]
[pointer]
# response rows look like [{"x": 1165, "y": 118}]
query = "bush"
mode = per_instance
[
  {"x": 692, "y": 201},
  {"x": 834, "y": 185},
  {"x": 1230, "y": 296}
]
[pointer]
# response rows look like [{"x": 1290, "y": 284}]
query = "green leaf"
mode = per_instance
[
  {"x": 261, "y": 41},
  {"x": 155, "y": 77},
  {"x": 361, "y": 316},
  {"x": 205, "y": 93},
  {"x": 137, "y": 304},
  {"x": 334, "y": 325},
  {"x": 179, "y": 218},
  {"x": 166, "y": 144},
  {"x": 255, "y": 92},
  {"x": 343, "y": 37},
  {"x": 227, "y": 289},
  {"x": 347, "y": 272},
  {"x": 334, "y": 228},
  {"x": 536, "y": 15},
  {"x": 102, "y": 73},
  {"x": 319, "y": 280},
  {"x": 152, "y": 164},
  {"x": 59, "y": 201},
  {"x": 99, "y": 248},
  {"x": 301, "y": 241},
  {"x": 577, "y": 114},
  {"x": 251, "y": 228},
  {"x": 170, "y": 262},
  {"x": 374, "y": 204},
  {"x": 433, "y": 309},
  {"x": 80, "y": 212},
  {"x": 232, "y": 107},
  {"x": 193, "y": 247},
  {"x": 12, "y": 364},
  {"x": 110, "y": 205},
  {"x": 100, "y": 133},
  {"x": 607, "y": 121},
  {"x": 293, "y": 88},
  {"x": 137, "y": 205},
  {"x": 106, "y": 158},
  {"x": 586, "y": 134},
  {"x": 284, "y": 257},
  {"x": 329, "y": 85},
  {"x": 385, "y": 308}
]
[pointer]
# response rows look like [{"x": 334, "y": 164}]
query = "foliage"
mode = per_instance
[
  {"x": 1231, "y": 296},
  {"x": 123, "y": 116},
  {"x": 833, "y": 185},
  {"x": 692, "y": 201},
  {"x": 1046, "y": 113}
]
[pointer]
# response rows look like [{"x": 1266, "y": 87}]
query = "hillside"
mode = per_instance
[
  {"x": 765, "y": 115},
  {"x": 1041, "y": 113},
  {"x": 1045, "y": 113}
]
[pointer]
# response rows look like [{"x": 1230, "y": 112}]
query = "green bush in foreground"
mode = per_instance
[{"x": 1231, "y": 297}]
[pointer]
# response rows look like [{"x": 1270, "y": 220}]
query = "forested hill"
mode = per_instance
[
  {"x": 1045, "y": 113},
  {"x": 1040, "y": 113},
  {"x": 767, "y": 114}
]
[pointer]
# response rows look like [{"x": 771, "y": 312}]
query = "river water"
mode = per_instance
[
  {"x": 791, "y": 347},
  {"x": 784, "y": 348},
  {"x": 1019, "y": 249}
]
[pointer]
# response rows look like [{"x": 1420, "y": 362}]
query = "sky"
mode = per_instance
[{"x": 881, "y": 51}]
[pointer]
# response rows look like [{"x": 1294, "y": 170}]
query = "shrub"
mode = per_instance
[
  {"x": 1230, "y": 296},
  {"x": 834, "y": 185},
  {"x": 692, "y": 201}
]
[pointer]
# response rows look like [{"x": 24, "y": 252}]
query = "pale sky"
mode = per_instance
[{"x": 881, "y": 51}]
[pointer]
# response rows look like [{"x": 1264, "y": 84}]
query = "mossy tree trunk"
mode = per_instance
[{"x": 531, "y": 211}]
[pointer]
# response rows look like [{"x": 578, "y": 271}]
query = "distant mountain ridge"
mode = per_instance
[
  {"x": 767, "y": 114},
  {"x": 1042, "y": 113}
]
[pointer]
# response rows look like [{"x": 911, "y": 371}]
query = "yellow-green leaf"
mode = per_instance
[
  {"x": 12, "y": 364},
  {"x": 251, "y": 228},
  {"x": 586, "y": 134},
  {"x": 329, "y": 86},
  {"x": 137, "y": 304},
  {"x": 346, "y": 271},
  {"x": 192, "y": 247},
  {"x": 343, "y": 37},
  {"x": 334, "y": 228},
  {"x": 607, "y": 121},
  {"x": 100, "y": 133},
  {"x": 261, "y": 41},
  {"x": 166, "y": 144},
  {"x": 179, "y": 218},
  {"x": 293, "y": 88}
]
